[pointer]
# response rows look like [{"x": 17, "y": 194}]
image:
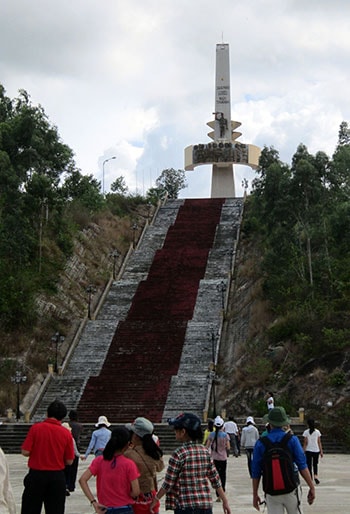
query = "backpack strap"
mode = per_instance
[
  {"x": 266, "y": 442},
  {"x": 283, "y": 442}
]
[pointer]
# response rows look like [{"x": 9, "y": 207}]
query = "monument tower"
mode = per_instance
[{"x": 224, "y": 151}]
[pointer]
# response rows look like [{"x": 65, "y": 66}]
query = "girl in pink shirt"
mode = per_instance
[{"x": 116, "y": 477}]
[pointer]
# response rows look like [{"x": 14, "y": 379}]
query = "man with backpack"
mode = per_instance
[{"x": 278, "y": 458}]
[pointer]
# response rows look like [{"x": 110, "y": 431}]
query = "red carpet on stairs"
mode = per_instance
[{"x": 146, "y": 349}]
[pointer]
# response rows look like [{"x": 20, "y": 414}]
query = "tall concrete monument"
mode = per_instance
[{"x": 224, "y": 151}]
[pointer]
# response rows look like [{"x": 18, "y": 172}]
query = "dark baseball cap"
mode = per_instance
[{"x": 185, "y": 420}]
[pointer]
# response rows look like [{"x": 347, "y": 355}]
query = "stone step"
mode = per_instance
[{"x": 13, "y": 434}]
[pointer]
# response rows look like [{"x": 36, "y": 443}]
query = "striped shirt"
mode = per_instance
[{"x": 187, "y": 478}]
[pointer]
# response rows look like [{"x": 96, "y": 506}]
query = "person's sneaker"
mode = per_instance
[{"x": 317, "y": 481}]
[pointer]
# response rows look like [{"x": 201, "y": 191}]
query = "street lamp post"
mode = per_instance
[
  {"x": 103, "y": 172},
  {"x": 214, "y": 338},
  {"x": 149, "y": 207},
  {"x": 18, "y": 379},
  {"x": 90, "y": 291},
  {"x": 57, "y": 339},
  {"x": 222, "y": 288},
  {"x": 134, "y": 228},
  {"x": 115, "y": 254},
  {"x": 212, "y": 378},
  {"x": 212, "y": 367}
]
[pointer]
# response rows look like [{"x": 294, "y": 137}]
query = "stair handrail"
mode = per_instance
[{"x": 40, "y": 393}]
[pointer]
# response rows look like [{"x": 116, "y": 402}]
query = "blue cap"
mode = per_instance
[{"x": 185, "y": 420}]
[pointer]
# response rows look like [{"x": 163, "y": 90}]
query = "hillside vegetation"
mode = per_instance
[
  {"x": 295, "y": 260},
  {"x": 60, "y": 239}
]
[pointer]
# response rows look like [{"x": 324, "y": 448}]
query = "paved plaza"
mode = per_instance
[{"x": 332, "y": 495}]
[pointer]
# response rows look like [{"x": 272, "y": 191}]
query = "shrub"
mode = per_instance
[
  {"x": 336, "y": 339},
  {"x": 337, "y": 378},
  {"x": 260, "y": 371},
  {"x": 259, "y": 408}
]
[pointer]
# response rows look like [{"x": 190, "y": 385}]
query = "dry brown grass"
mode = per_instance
[{"x": 31, "y": 350}]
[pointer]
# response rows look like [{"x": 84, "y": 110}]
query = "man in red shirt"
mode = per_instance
[{"x": 49, "y": 447}]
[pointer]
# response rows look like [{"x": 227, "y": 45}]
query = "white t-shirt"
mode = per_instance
[
  {"x": 312, "y": 444},
  {"x": 270, "y": 403},
  {"x": 230, "y": 427},
  {"x": 250, "y": 435}
]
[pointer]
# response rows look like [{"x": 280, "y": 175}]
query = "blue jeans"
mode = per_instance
[
  {"x": 249, "y": 452},
  {"x": 127, "y": 509}
]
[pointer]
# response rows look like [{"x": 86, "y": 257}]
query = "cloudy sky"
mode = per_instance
[{"x": 135, "y": 79}]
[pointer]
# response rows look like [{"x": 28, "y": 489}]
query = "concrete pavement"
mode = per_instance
[{"x": 332, "y": 495}]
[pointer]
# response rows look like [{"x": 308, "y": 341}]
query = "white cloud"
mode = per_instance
[{"x": 136, "y": 79}]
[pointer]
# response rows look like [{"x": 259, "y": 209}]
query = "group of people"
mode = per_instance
[
  {"x": 218, "y": 438},
  {"x": 126, "y": 462},
  {"x": 128, "y": 458},
  {"x": 126, "y": 472}
]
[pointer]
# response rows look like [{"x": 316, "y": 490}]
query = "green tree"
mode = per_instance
[
  {"x": 33, "y": 160},
  {"x": 171, "y": 181},
  {"x": 154, "y": 194},
  {"x": 84, "y": 189},
  {"x": 119, "y": 186},
  {"x": 271, "y": 189},
  {"x": 343, "y": 134},
  {"x": 300, "y": 218}
]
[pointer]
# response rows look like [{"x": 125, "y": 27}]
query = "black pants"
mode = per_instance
[
  {"x": 312, "y": 462},
  {"x": 71, "y": 474},
  {"x": 44, "y": 487},
  {"x": 221, "y": 466}
]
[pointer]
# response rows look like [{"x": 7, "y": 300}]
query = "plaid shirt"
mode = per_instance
[{"x": 186, "y": 479}]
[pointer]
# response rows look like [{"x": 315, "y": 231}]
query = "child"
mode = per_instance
[{"x": 116, "y": 476}]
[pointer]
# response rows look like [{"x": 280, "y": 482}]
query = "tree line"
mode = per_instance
[
  {"x": 44, "y": 200},
  {"x": 299, "y": 215}
]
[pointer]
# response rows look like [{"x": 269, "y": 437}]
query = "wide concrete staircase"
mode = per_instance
[
  {"x": 146, "y": 349},
  {"x": 91, "y": 351},
  {"x": 155, "y": 329}
]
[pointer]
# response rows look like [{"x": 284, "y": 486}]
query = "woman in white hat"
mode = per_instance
[
  {"x": 148, "y": 457},
  {"x": 250, "y": 435},
  {"x": 99, "y": 438},
  {"x": 219, "y": 444}
]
